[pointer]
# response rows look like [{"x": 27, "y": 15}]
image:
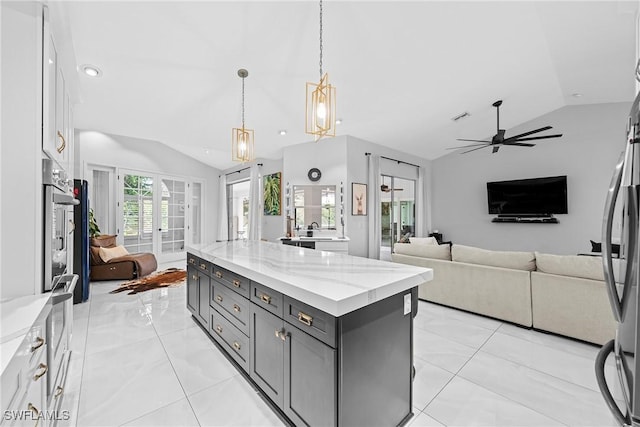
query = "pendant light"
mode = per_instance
[
  {"x": 242, "y": 138},
  {"x": 320, "y": 111}
]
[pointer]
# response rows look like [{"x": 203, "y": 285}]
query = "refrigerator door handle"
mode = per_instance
[
  {"x": 607, "y": 224},
  {"x": 630, "y": 255},
  {"x": 601, "y": 359}
]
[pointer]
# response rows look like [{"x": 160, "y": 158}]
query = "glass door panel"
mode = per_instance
[
  {"x": 137, "y": 213},
  {"x": 238, "y": 208},
  {"x": 172, "y": 216},
  {"x": 196, "y": 213},
  {"x": 397, "y": 213}
]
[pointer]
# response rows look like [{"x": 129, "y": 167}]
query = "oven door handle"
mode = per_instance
[
  {"x": 59, "y": 298},
  {"x": 71, "y": 279}
]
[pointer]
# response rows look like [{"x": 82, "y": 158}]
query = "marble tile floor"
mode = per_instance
[{"x": 140, "y": 360}]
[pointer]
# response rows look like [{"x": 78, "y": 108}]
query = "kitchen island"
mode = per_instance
[{"x": 326, "y": 337}]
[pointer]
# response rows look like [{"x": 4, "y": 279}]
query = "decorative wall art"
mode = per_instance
[
  {"x": 359, "y": 199},
  {"x": 272, "y": 194}
]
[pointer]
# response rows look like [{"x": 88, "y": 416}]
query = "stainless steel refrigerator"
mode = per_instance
[{"x": 621, "y": 210}]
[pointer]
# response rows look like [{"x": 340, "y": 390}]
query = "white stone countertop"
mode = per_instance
[
  {"x": 319, "y": 238},
  {"x": 17, "y": 316},
  {"x": 332, "y": 282}
]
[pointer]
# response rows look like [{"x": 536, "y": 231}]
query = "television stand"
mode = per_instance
[{"x": 526, "y": 219}]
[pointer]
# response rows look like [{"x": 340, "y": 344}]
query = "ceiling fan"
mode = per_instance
[
  {"x": 385, "y": 188},
  {"x": 499, "y": 139}
]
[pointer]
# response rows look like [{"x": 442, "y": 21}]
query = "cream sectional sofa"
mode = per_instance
[{"x": 561, "y": 294}]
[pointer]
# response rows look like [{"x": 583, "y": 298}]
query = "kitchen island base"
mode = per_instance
[{"x": 314, "y": 368}]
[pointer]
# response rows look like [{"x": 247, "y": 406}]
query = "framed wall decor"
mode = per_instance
[
  {"x": 272, "y": 194},
  {"x": 358, "y": 199}
]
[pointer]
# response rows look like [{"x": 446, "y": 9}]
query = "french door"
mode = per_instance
[
  {"x": 397, "y": 213},
  {"x": 154, "y": 214}
]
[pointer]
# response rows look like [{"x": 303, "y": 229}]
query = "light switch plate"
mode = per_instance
[{"x": 407, "y": 304}]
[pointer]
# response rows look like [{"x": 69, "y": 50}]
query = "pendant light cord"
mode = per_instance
[
  {"x": 243, "y": 104},
  {"x": 320, "y": 39}
]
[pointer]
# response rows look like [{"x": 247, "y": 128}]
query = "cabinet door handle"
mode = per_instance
[
  {"x": 236, "y": 308},
  {"x": 203, "y": 266},
  {"x": 194, "y": 277},
  {"x": 59, "y": 391},
  {"x": 219, "y": 329},
  {"x": 280, "y": 333},
  {"x": 265, "y": 298},
  {"x": 33, "y": 409},
  {"x": 192, "y": 261},
  {"x": 39, "y": 343},
  {"x": 218, "y": 275},
  {"x": 305, "y": 318},
  {"x": 62, "y": 146},
  {"x": 219, "y": 298},
  {"x": 236, "y": 345},
  {"x": 236, "y": 283},
  {"x": 39, "y": 375}
]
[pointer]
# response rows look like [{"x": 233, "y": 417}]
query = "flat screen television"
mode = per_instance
[{"x": 536, "y": 196}]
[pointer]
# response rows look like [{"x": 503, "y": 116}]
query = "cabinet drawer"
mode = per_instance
[
  {"x": 204, "y": 266},
  {"x": 230, "y": 338},
  {"x": 267, "y": 298},
  {"x": 231, "y": 280},
  {"x": 315, "y": 322},
  {"x": 192, "y": 260},
  {"x": 234, "y": 307}
]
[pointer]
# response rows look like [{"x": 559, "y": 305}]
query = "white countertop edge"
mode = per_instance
[{"x": 331, "y": 306}]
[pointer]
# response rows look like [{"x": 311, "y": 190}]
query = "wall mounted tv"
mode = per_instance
[{"x": 536, "y": 196}]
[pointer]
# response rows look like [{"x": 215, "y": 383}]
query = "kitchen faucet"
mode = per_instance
[{"x": 317, "y": 226}]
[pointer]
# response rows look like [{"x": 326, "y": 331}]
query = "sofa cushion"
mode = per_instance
[
  {"x": 423, "y": 240},
  {"x": 107, "y": 254},
  {"x": 587, "y": 267},
  {"x": 103, "y": 240},
  {"x": 94, "y": 253},
  {"x": 423, "y": 250},
  {"x": 505, "y": 259}
]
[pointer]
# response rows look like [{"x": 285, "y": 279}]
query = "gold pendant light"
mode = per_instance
[
  {"x": 320, "y": 111},
  {"x": 242, "y": 138}
]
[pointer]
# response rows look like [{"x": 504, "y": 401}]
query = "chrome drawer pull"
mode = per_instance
[
  {"x": 265, "y": 298},
  {"x": 219, "y": 329},
  {"x": 59, "y": 391},
  {"x": 39, "y": 343},
  {"x": 236, "y": 345},
  {"x": 219, "y": 298},
  {"x": 218, "y": 275},
  {"x": 236, "y": 283},
  {"x": 280, "y": 333},
  {"x": 305, "y": 318},
  {"x": 236, "y": 308},
  {"x": 39, "y": 375}
]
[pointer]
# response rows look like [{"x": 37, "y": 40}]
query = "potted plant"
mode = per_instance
[{"x": 94, "y": 230}]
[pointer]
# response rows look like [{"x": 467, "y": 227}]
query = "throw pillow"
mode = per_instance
[
  {"x": 423, "y": 240},
  {"x": 107, "y": 254},
  {"x": 425, "y": 251},
  {"x": 505, "y": 259},
  {"x": 586, "y": 267},
  {"x": 405, "y": 238}
]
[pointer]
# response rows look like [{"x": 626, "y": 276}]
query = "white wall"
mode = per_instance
[
  {"x": 357, "y": 172},
  {"x": 149, "y": 156},
  {"x": 20, "y": 150},
  {"x": 593, "y": 138}
]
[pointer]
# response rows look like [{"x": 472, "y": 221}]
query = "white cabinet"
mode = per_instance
[{"x": 57, "y": 107}]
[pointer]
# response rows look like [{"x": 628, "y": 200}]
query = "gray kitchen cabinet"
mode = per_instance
[
  {"x": 267, "y": 353},
  {"x": 204, "y": 283},
  {"x": 192, "y": 290},
  {"x": 310, "y": 386}
]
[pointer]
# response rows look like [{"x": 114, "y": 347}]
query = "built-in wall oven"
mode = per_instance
[{"x": 58, "y": 221}]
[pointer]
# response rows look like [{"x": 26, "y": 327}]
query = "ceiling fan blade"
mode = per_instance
[
  {"x": 468, "y": 146},
  {"x": 533, "y": 138},
  {"x": 473, "y": 140},
  {"x": 519, "y": 144},
  {"x": 474, "y": 149},
  {"x": 495, "y": 149},
  {"x": 531, "y": 132}
]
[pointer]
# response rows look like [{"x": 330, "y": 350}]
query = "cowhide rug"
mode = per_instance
[{"x": 161, "y": 279}]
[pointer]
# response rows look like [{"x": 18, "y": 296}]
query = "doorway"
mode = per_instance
[
  {"x": 397, "y": 212},
  {"x": 238, "y": 209}
]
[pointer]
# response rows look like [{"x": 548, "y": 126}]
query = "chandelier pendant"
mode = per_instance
[{"x": 242, "y": 148}]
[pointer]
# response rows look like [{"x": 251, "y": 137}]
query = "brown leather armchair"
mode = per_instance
[{"x": 126, "y": 267}]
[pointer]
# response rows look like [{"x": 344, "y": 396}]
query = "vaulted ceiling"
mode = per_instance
[{"x": 402, "y": 69}]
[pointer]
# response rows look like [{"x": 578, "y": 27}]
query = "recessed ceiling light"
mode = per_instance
[
  {"x": 206, "y": 151},
  {"x": 576, "y": 95},
  {"x": 283, "y": 132},
  {"x": 338, "y": 121},
  {"x": 91, "y": 70}
]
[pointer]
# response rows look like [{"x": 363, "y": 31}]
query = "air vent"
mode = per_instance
[{"x": 461, "y": 116}]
